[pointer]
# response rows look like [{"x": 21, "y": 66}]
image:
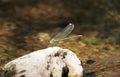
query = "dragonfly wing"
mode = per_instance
[{"x": 64, "y": 33}]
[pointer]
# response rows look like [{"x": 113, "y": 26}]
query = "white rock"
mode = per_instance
[{"x": 49, "y": 62}]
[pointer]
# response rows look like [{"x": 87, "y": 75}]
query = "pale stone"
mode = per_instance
[{"x": 49, "y": 62}]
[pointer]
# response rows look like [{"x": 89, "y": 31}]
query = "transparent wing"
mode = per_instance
[{"x": 64, "y": 33}]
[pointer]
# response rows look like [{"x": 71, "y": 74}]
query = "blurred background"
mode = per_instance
[{"x": 29, "y": 25}]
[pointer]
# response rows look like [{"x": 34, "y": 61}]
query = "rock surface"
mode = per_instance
[{"x": 49, "y": 62}]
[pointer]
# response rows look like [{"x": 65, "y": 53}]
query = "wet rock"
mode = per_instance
[{"x": 49, "y": 62}]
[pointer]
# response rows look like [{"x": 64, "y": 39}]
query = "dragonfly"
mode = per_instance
[{"x": 63, "y": 35}]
